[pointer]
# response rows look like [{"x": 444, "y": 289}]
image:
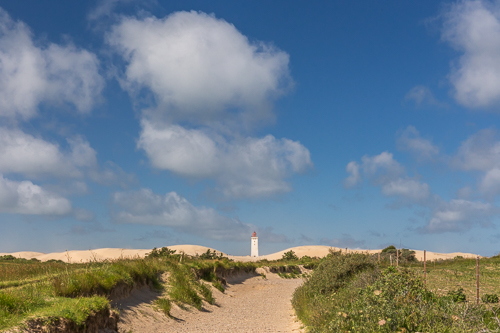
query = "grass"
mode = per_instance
[
  {"x": 49, "y": 292},
  {"x": 353, "y": 293},
  {"x": 164, "y": 305},
  {"x": 449, "y": 275}
]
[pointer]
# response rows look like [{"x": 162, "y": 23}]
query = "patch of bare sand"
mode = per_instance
[{"x": 249, "y": 304}]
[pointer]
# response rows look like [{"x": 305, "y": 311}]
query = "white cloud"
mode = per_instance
[
  {"x": 249, "y": 167},
  {"x": 383, "y": 170},
  {"x": 473, "y": 28},
  {"x": 172, "y": 210},
  {"x": 25, "y": 154},
  {"x": 355, "y": 177},
  {"x": 406, "y": 188},
  {"x": 480, "y": 152},
  {"x": 459, "y": 215},
  {"x": 210, "y": 87},
  {"x": 30, "y": 75},
  {"x": 410, "y": 140},
  {"x": 490, "y": 184},
  {"x": 200, "y": 68},
  {"x": 27, "y": 198},
  {"x": 421, "y": 95}
]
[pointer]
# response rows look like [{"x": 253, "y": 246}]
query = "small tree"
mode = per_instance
[
  {"x": 289, "y": 256},
  {"x": 161, "y": 253}
]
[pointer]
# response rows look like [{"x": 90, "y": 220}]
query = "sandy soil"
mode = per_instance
[
  {"x": 250, "y": 304},
  {"x": 108, "y": 253}
]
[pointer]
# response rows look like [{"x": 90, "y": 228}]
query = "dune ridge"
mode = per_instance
[{"x": 116, "y": 253}]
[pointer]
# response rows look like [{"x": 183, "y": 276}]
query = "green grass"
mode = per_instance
[
  {"x": 50, "y": 292},
  {"x": 164, "y": 305},
  {"x": 218, "y": 286},
  {"x": 352, "y": 293},
  {"x": 450, "y": 275}
]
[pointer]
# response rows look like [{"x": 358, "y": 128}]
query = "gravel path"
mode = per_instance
[{"x": 250, "y": 304}]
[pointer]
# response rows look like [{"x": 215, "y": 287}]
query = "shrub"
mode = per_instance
[
  {"x": 289, "y": 256},
  {"x": 212, "y": 255},
  {"x": 164, "y": 252},
  {"x": 457, "y": 295},
  {"x": 389, "y": 249},
  {"x": 490, "y": 298}
]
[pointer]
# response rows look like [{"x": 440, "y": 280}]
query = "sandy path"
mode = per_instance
[{"x": 250, "y": 304}]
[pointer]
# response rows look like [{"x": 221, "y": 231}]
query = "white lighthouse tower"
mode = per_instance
[{"x": 254, "y": 249}]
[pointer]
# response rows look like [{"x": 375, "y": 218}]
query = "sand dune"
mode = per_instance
[{"x": 113, "y": 253}]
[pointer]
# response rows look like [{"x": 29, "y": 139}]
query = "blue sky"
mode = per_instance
[{"x": 141, "y": 124}]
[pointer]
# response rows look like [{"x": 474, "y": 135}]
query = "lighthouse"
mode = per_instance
[{"x": 254, "y": 245}]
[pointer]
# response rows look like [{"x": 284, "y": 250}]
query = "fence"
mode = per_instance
[{"x": 477, "y": 277}]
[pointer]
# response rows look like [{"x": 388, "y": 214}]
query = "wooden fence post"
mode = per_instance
[
  {"x": 425, "y": 268},
  {"x": 397, "y": 257},
  {"x": 379, "y": 257},
  {"x": 477, "y": 280}
]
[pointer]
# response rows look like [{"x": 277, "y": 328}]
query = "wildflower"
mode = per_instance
[
  {"x": 381, "y": 322},
  {"x": 455, "y": 317},
  {"x": 377, "y": 292}
]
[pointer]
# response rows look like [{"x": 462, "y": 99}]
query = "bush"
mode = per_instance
[
  {"x": 289, "y": 256},
  {"x": 457, "y": 295},
  {"x": 164, "y": 252},
  {"x": 313, "y": 300},
  {"x": 211, "y": 255},
  {"x": 389, "y": 249},
  {"x": 490, "y": 298}
]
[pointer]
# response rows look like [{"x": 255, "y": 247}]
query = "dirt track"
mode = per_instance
[{"x": 250, "y": 304}]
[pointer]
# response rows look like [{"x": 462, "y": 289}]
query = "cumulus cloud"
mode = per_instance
[
  {"x": 242, "y": 168},
  {"x": 421, "y": 95},
  {"x": 410, "y": 140},
  {"x": 27, "y": 198},
  {"x": 473, "y": 28},
  {"x": 33, "y": 157},
  {"x": 354, "y": 175},
  {"x": 480, "y": 152},
  {"x": 25, "y": 154},
  {"x": 172, "y": 210},
  {"x": 200, "y": 68},
  {"x": 384, "y": 171},
  {"x": 210, "y": 87},
  {"x": 30, "y": 75},
  {"x": 490, "y": 184},
  {"x": 459, "y": 215},
  {"x": 406, "y": 188}
]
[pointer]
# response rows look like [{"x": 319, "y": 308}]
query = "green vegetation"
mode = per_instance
[
  {"x": 164, "y": 305},
  {"x": 355, "y": 293},
  {"x": 45, "y": 293},
  {"x": 289, "y": 256},
  {"x": 405, "y": 256}
]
